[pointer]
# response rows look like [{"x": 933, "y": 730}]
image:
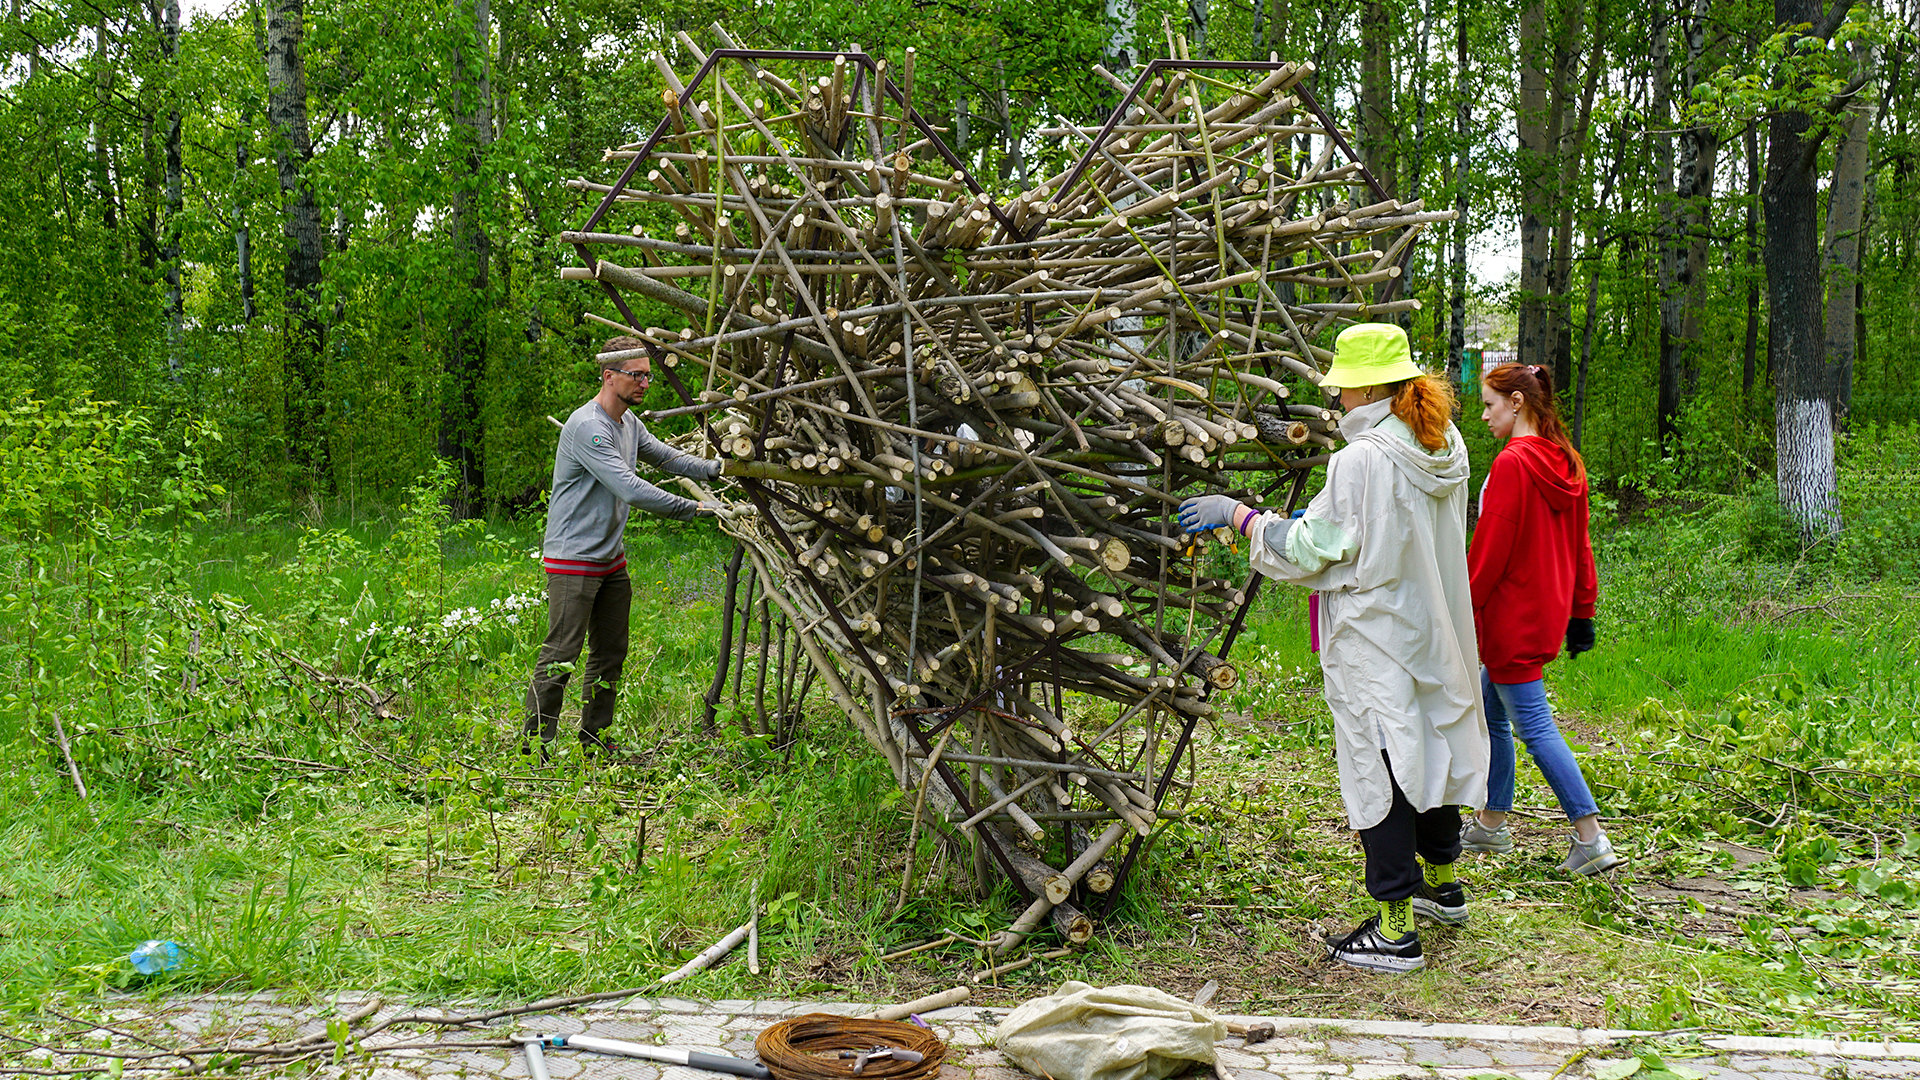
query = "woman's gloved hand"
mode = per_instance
[
  {"x": 1579, "y": 636},
  {"x": 1203, "y": 512}
]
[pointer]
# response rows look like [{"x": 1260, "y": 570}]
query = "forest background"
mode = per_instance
[
  {"x": 280, "y": 325},
  {"x": 329, "y": 228}
]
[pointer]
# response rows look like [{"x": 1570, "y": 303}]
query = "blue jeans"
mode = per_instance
[{"x": 1526, "y": 704}]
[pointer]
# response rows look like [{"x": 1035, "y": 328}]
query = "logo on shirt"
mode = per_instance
[{"x": 600, "y": 440}]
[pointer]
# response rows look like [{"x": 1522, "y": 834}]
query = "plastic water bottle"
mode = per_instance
[{"x": 153, "y": 957}]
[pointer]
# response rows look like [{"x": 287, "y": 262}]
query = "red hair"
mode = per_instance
[
  {"x": 1425, "y": 403},
  {"x": 1534, "y": 383}
]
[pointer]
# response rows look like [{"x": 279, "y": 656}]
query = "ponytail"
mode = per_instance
[
  {"x": 1425, "y": 403},
  {"x": 1534, "y": 383}
]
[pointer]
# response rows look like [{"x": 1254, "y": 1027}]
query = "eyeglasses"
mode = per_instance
[{"x": 642, "y": 376}]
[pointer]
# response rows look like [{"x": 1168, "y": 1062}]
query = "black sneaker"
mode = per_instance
[
  {"x": 534, "y": 750},
  {"x": 1368, "y": 948},
  {"x": 1441, "y": 903},
  {"x": 601, "y": 746}
]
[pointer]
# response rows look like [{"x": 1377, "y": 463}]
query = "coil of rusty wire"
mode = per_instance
[{"x": 808, "y": 1048}]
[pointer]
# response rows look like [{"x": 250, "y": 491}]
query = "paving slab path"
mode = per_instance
[{"x": 1306, "y": 1048}]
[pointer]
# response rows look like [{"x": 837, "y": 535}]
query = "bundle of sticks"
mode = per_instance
[{"x": 964, "y": 423}]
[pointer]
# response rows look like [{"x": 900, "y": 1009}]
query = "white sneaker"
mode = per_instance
[
  {"x": 1591, "y": 860},
  {"x": 1477, "y": 837}
]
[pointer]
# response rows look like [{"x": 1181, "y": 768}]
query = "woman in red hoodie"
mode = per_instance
[{"x": 1531, "y": 565}]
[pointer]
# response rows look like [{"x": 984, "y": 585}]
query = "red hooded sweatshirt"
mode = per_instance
[{"x": 1531, "y": 562}]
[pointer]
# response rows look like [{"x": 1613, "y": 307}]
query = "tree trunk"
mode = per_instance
[
  {"x": 1276, "y": 38},
  {"x": 460, "y": 428},
  {"x": 242, "y": 206},
  {"x": 304, "y": 330},
  {"x": 1120, "y": 16},
  {"x": 1013, "y": 162},
  {"x": 1533, "y": 161},
  {"x": 1803, "y": 399},
  {"x": 1573, "y": 155},
  {"x": 1686, "y": 192},
  {"x": 102, "y": 97},
  {"x": 168, "y": 18},
  {"x": 1463, "y": 127},
  {"x": 1752, "y": 345},
  {"x": 1597, "y": 252},
  {"x": 1377, "y": 134},
  {"x": 1846, "y": 204},
  {"x": 1197, "y": 19}
]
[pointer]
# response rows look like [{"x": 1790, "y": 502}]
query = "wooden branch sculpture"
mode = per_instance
[{"x": 964, "y": 424}]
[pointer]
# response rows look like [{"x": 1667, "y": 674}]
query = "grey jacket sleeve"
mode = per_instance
[
  {"x": 667, "y": 459},
  {"x": 1275, "y": 536},
  {"x": 607, "y": 466}
]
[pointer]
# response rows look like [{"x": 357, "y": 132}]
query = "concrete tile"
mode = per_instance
[
  {"x": 999, "y": 1072},
  {"x": 1368, "y": 1070},
  {"x": 1367, "y": 1049},
  {"x": 1514, "y": 1055},
  {"x": 626, "y": 1069},
  {"x": 1239, "y": 1059},
  {"x": 731, "y": 1006},
  {"x": 478, "y": 1062},
  {"x": 977, "y": 1058},
  {"x": 1882, "y": 1068},
  {"x": 1288, "y": 1044},
  {"x": 968, "y": 1036},
  {"x": 953, "y": 1072},
  {"x": 616, "y": 1026},
  {"x": 692, "y": 1032},
  {"x": 679, "y": 1005}
]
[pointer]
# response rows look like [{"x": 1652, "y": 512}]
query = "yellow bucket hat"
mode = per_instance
[{"x": 1370, "y": 354}]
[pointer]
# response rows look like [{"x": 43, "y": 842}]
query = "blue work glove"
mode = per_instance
[
  {"x": 1203, "y": 512},
  {"x": 1579, "y": 636}
]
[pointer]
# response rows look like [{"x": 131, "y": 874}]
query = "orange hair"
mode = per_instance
[
  {"x": 1425, "y": 403},
  {"x": 1534, "y": 382}
]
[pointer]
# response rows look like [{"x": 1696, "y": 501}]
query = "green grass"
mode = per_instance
[{"x": 298, "y": 841}]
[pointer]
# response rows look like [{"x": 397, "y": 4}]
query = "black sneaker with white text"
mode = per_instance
[
  {"x": 1368, "y": 948},
  {"x": 1441, "y": 903}
]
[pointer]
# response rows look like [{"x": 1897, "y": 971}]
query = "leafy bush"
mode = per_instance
[{"x": 1879, "y": 494}]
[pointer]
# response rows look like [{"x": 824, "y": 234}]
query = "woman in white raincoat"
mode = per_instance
[{"x": 1385, "y": 544}]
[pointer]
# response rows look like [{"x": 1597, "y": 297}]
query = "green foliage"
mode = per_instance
[{"x": 1879, "y": 489}]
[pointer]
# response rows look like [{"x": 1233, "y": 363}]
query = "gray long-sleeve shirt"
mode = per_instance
[{"x": 594, "y": 484}]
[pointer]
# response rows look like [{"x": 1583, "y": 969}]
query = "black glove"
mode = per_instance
[{"x": 1579, "y": 636}]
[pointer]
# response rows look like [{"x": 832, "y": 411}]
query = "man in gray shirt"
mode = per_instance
[{"x": 588, "y": 591}]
